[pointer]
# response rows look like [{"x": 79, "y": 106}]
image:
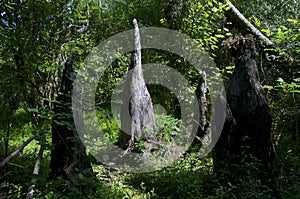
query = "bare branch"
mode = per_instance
[
  {"x": 36, "y": 169},
  {"x": 234, "y": 14},
  {"x": 7, "y": 159}
]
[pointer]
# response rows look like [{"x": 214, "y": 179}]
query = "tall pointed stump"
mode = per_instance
[{"x": 137, "y": 118}]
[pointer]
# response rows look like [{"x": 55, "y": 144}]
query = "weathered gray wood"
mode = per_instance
[
  {"x": 36, "y": 169},
  {"x": 200, "y": 123},
  {"x": 142, "y": 122}
]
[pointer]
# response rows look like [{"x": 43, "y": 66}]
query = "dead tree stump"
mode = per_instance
[
  {"x": 248, "y": 109},
  {"x": 68, "y": 152},
  {"x": 137, "y": 117},
  {"x": 228, "y": 146}
]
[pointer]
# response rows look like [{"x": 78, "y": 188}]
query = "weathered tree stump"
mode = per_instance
[
  {"x": 248, "y": 122},
  {"x": 137, "y": 117},
  {"x": 68, "y": 152},
  {"x": 229, "y": 143}
]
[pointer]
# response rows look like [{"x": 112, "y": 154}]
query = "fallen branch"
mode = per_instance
[
  {"x": 7, "y": 159},
  {"x": 237, "y": 17},
  {"x": 36, "y": 169}
]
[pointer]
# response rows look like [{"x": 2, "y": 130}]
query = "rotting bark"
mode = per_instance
[
  {"x": 68, "y": 152},
  {"x": 249, "y": 107},
  {"x": 265, "y": 45},
  {"x": 139, "y": 122},
  {"x": 200, "y": 124},
  {"x": 228, "y": 145}
]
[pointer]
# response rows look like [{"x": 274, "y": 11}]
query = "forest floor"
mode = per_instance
[{"x": 189, "y": 177}]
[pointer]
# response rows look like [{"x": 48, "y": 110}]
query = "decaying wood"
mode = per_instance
[
  {"x": 269, "y": 49},
  {"x": 141, "y": 123},
  {"x": 68, "y": 152},
  {"x": 36, "y": 169},
  {"x": 7, "y": 159},
  {"x": 249, "y": 107},
  {"x": 201, "y": 97},
  {"x": 228, "y": 144},
  {"x": 235, "y": 16},
  {"x": 200, "y": 122}
]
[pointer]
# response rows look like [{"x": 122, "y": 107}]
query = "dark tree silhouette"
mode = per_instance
[
  {"x": 248, "y": 120},
  {"x": 228, "y": 145},
  {"x": 68, "y": 152}
]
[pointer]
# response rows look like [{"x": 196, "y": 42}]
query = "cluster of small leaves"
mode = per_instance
[
  {"x": 288, "y": 54},
  {"x": 204, "y": 23},
  {"x": 293, "y": 87},
  {"x": 167, "y": 126}
]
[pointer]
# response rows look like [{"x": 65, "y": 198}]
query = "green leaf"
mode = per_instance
[
  {"x": 280, "y": 80},
  {"x": 268, "y": 87},
  {"x": 295, "y": 91}
]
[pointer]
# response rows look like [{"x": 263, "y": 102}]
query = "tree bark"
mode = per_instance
[
  {"x": 68, "y": 152},
  {"x": 201, "y": 126},
  {"x": 140, "y": 122},
  {"x": 228, "y": 145},
  {"x": 249, "y": 107}
]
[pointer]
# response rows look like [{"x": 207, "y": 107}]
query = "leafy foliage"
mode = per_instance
[{"x": 38, "y": 36}]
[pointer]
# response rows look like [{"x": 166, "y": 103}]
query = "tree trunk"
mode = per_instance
[
  {"x": 250, "y": 110},
  {"x": 138, "y": 116},
  {"x": 229, "y": 143},
  {"x": 68, "y": 152}
]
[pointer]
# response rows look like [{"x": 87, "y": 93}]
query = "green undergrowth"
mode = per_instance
[{"x": 188, "y": 177}]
